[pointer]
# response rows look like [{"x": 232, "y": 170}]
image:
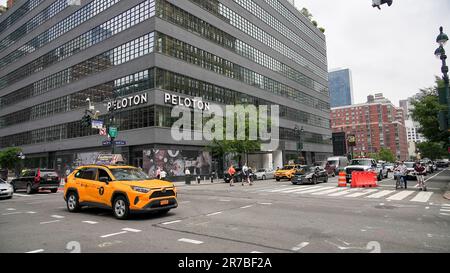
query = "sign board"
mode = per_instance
[
  {"x": 97, "y": 124},
  {"x": 112, "y": 131},
  {"x": 106, "y": 143},
  {"x": 120, "y": 142},
  {"x": 123, "y": 103},
  {"x": 107, "y": 159},
  {"x": 195, "y": 103}
]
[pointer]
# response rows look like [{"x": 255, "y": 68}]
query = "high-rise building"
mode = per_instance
[
  {"x": 376, "y": 124},
  {"x": 56, "y": 55},
  {"x": 412, "y": 127},
  {"x": 341, "y": 87}
]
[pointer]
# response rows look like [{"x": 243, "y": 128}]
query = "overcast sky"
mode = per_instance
[{"x": 388, "y": 51}]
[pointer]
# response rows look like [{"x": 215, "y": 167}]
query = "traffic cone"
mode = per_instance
[{"x": 342, "y": 180}]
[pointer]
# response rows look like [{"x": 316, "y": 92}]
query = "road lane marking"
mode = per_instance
[
  {"x": 313, "y": 190},
  {"x": 434, "y": 175},
  {"x": 35, "y": 251},
  {"x": 328, "y": 191},
  {"x": 266, "y": 204},
  {"x": 340, "y": 193},
  {"x": 12, "y": 213},
  {"x": 31, "y": 212},
  {"x": 246, "y": 207},
  {"x": 301, "y": 189},
  {"x": 171, "y": 222},
  {"x": 57, "y": 216},
  {"x": 300, "y": 246},
  {"x": 361, "y": 193},
  {"x": 113, "y": 234},
  {"x": 132, "y": 230},
  {"x": 90, "y": 222},
  {"x": 185, "y": 240},
  {"x": 445, "y": 205},
  {"x": 446, "y": 214},
  {"x": 49, "y": 222},
  {"x": 256, "y": 252},
  {"x": 284, "y": 189},
  {"x": 380, "y": 194},
  {"x": 225, "y": 200},
  {"x": 422, "y": 197},
  {"x": 214, "y": 213},
  {"x": 446, "y": 210},
  {"x": 401, "y": 195},
  {"x": 10, "y": 209},
  {"x": 22, "y": 195}
]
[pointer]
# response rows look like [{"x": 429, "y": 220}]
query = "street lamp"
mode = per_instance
[
  {"x": 444, "y": 96},
  {"x": 299, "y": 133}
]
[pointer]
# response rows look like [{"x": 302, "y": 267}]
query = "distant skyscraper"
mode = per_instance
[{"x": 341, "y": 87}]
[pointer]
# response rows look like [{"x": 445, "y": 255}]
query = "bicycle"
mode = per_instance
[{"x": 399, "y": 182}]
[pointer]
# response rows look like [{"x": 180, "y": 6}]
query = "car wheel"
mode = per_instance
[
  {"x": 14, "y": 187},
  {"x": 120, "y": 208},
  {"x": 54, "y": 190},
  {"x": 29, "y": 189},
  {"x": 326, "y": 179},
  {"x": 333, "y": 174},
  {"x": 264, "y": 177},
  {"x": 380, "y": 177},
  {"x": 277, "y": 179},
  {"x": 73, "y": 204},
  {"x": 314, "y": 180}
]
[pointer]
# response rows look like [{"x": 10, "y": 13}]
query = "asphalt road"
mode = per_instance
[{"x": 267, "y": 217}]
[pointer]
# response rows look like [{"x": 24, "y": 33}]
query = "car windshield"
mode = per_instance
[
  {"x": 288, "y": 167},
  {"x": 129, "y": 174},
  {"x": 361, "y": 162},
  {"x": 333, "y": 162}
]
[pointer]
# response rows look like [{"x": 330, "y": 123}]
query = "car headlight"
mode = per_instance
[{"x": 140, "y": 189}]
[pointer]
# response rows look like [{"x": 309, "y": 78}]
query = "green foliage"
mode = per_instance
[
  {"x": 308, "y": 15},
  {"x": 426, "y": 111},
  {"x": 432, "y": 150},
  {"x": 8, "y": 157},
  {"x": 386, "y": 155}
]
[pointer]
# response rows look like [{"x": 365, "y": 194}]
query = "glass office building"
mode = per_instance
[
  {"x": 56, "y": 54},
  {"x": 341, "y": 87}
]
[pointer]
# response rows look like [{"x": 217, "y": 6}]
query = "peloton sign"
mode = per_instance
[
  {"x": 127, "y": 102},
  {"x": 196, "y": 103}
]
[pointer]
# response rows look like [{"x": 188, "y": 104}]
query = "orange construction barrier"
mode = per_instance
[
  {"x": 342, "y": 181},
  {"x": 364, "y": 179}
]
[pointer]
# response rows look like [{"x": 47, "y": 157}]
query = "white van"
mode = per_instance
[{"x": 337, "y": 162}]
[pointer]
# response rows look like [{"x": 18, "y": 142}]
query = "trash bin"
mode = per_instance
[{"x": 187, "y": 179}]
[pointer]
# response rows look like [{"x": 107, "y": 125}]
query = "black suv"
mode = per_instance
[{"x": 34, "y": 180}]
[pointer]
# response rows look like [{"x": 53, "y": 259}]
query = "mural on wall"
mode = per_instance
[{"x": 174, "y": 162}]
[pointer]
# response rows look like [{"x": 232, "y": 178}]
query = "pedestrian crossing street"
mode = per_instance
[{"x": 333, "y": 191}]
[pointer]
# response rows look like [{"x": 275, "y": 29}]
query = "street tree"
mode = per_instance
[
  {"x": 431, "y": 150},
  {"x": 9, "y": 158}
]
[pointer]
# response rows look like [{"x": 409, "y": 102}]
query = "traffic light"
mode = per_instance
[
  {"x": 378, "y": 3},
  {"x": 86, "y": 121}
]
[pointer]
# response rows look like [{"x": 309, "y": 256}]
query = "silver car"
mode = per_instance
[
  {"x": 263, "y": 174},
  {"x": 6, "y": 190}
]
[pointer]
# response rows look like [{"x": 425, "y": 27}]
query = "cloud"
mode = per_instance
[{"x": 388, "y": 51}]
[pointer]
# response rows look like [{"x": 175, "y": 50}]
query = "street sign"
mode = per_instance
[
  {"x": 97, "y": 124},
  {"x": 120, "y": 142},
  {"x": 112, "y": 131},
  {"x": 106, "y": 143},
  {"x": 102, "y": 132}
]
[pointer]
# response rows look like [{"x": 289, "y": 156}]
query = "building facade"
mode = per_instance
[
  {"x": 54, "y": 56},
  {"x": 412, "y": 127},
  {"x": 376, "y": 124},
  {"x": 341, "y": 87}
]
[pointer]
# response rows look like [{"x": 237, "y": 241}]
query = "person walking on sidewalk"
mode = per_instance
[
  {"x": 231, "y": 172},
  {"x": 420, "y": 172},
  {"x": 246, "y": 175}
]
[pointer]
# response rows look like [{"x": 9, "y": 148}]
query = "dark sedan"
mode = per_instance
[
  {"x": 310, "y": 175},
  {"x": 36, "y": 179}
]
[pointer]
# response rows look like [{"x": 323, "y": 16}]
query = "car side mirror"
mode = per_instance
[{"x": 104, "y": 179}]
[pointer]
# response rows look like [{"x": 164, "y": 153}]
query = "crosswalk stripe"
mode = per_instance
[
  {"x": 263, "y": 189},
  {"x": 313, "y": 190},
  {"x": 361, "y": 193},
  {"x": 284, "y": 189},
  {"x": 300, "y": 188},
  {"x": 340, "y": 193},
  {"x": 422, "y": 197},
  {"x": 400, "y": 196},
  {"x": 328, "y": 191},
  {"x": 380, "y": 194}
]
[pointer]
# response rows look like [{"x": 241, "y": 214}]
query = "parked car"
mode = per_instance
[
  {"x": 338, "y": 163},
  {"x": 310, "y": 175},
  {"x": 263, "y": 174},
  {"x": 442, "y": 163},
  {"x": 331, "y": 169},
  {"x": 6, "y": 190},
  {"x": 389, "y": 167},
  {"x": 238, "y": 176},
  {"x": 411, "y": 173},
  {"x": 34, "y": 180}
]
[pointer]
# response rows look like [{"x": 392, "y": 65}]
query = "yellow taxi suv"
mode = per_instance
[
  {"x": 287, "y": 172},
  {"x": 124, "y": 189}
]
